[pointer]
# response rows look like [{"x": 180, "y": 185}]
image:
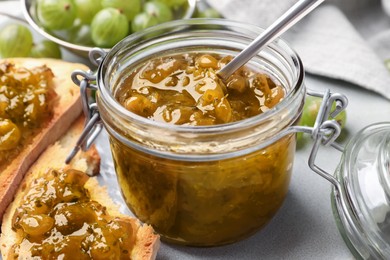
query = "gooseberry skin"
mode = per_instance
[
  {"x": 56, "y": 14},
  {"x": 172, "y": 3},
  {"x": 310, "y": 112},
  {"x": 16, "y": 40},
  {"x": 311, "y": 108},
  {"x": 87, "y": 9},
  {"x": 208, "y": 13},
  {"x": 130, "y": 8},
  {"x": 46, "y": 49},
  {"x": 387, "y": 64},
  {"x": 80, "y": 34},
  {"x": 108, "y": 27},
  {"x": 142, "y": 21},
  {"x": 159, "y": 10}
]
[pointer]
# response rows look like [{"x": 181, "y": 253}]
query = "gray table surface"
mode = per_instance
[{"x": 304, "y": 228}]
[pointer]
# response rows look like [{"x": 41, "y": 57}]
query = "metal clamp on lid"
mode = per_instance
[
  {"x": 325, "y": 130},
  {"x": 328, "y": 131},
  {"x": 93, "y": 124}
]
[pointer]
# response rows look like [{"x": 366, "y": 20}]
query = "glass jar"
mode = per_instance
[
  {"x": 201, "y": 185},
  {"x": 361, "y": 192}
]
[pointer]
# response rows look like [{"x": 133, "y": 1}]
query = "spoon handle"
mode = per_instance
[{"x": 282, "y": 24}]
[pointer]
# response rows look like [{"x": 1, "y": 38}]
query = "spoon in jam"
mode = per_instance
[{"x": 282, "y": 24}]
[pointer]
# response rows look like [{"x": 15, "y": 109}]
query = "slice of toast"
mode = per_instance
[
  {"x": 66, "y": 109},
  {"x": 146, "y": 242}
]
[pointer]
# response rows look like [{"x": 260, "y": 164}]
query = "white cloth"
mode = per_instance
[{"x": 333, "y": 41}]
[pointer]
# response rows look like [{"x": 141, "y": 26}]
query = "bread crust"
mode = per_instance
[
  {"x": 66, "y": 110},
  {"x": 147, "y": 242}
]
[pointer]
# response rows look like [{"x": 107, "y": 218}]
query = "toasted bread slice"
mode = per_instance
[
  {"x": 66, "y": 109},
  {"x": 146, "y": 242}
]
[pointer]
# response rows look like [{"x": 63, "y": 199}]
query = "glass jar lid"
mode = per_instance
[{"x": 362, "y": 198}]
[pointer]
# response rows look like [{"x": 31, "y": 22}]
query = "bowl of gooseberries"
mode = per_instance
[{"x": 80, "y": 25}]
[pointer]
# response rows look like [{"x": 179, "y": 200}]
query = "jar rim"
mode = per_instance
[{"x": 255, "y": 30}]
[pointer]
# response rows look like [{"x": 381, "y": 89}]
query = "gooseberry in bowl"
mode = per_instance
[
  {"x": 80, "y": 25},
  {"x": 56, "y": 14},
  {"x": 108, "y": 27},
  {"x": 130, "y": 8}
]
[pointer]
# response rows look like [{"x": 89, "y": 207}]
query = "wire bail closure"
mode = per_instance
[
  {"x": 93, "y": 124},
  {"x": 325, "y": 132}
]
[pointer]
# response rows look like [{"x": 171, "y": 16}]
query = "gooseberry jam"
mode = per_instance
[
  {"x": 185, "y": 90},
  {"x": 26, "y": 101},
  {"x": 58, "y": 219}
]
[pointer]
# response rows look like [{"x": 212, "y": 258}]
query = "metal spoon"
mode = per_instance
[{"x": 287, "y": 20}]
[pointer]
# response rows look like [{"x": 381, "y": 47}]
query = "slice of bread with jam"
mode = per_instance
[
  {"x": 38, "y": 103},
  {"x": 60, "y": 212}
]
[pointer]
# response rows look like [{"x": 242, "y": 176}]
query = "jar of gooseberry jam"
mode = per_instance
[{"x": 201, "y": 185}]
